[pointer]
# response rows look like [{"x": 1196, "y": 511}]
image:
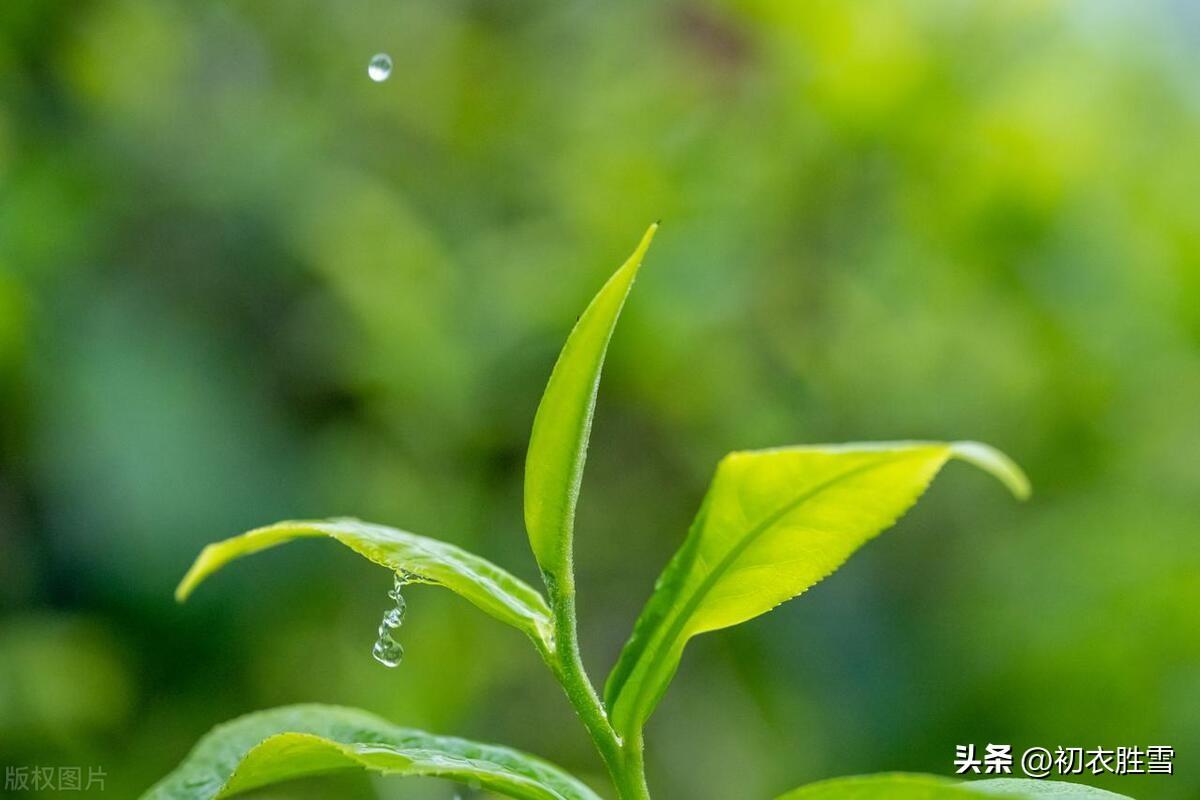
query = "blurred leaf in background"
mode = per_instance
[{"x": 240, "y": 281}]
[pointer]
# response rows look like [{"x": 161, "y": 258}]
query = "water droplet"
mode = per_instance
[
  {"x": 393, "y": 618},
  {"x": 380, "y": 67},
  {"x": 387, "y": 651}
]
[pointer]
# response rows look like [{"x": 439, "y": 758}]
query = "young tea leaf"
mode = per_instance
[
  {"x": 421, "y": 559},
  {"x": 296, "y": 741},
  {"x": 928, "y": 787},
  {"x": 893, "y": 786},
  {"x": 774, "y": 522},
  {"x": 1032, "y": 789},
  {"x": 558, "y": 444}
]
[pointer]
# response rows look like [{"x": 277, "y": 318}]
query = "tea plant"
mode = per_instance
[{"x": 774, "y": 522}]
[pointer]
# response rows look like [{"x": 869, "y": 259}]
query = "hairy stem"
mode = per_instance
[
  {"x": 634, "y": 769},
  {"x": 623, "y": 759}
]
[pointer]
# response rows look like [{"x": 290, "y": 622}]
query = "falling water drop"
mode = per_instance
[
  {"x": 393, "y": 618},
  {"x": 380, "y": 67},
  {"x": 387, "y": 650}
]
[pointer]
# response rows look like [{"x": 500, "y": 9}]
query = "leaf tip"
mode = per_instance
[
  {"x": 201, "y": 568},
  {"x": 996, "y": 464},
  {"x": 644, "y": 244},
  {"x": 183, "y": 590},
  {"x": 185, "y": 587}
]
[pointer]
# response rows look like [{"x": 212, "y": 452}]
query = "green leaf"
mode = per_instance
[
  {"x": 563, "y": 423},
  {"x": 292, "y": 742},
  {"x": 424, "y": 560},
  {"x": 901, "y": 786},
  {"x": 774, "y": 522},
  {"x": 895, "y": 786},
  {"x": 1024, "y": 787}
]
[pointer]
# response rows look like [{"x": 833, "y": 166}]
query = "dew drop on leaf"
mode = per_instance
[{"x": 380, "y": 67}]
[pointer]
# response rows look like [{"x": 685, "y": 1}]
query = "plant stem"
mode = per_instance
[
  {"x": 634, "y": 772},
  {"x": 623, "y": 759}
]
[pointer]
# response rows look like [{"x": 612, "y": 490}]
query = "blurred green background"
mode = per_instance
[{"x": 241, "y": 282}]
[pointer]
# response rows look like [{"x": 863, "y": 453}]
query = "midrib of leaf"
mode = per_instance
[{"x": 680, "y": 619}]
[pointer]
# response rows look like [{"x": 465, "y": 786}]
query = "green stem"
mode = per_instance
[
  {"x": 623, "y": 759},
  {"x": 634, "y": 772}
]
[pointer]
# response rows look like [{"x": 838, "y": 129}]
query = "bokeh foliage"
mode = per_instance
[{"x": 240, "y": 282}]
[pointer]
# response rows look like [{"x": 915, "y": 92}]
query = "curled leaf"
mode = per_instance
[
  {"x": 419, "y": 558},
  {"x": 563, "y": 423},
  {"x": 297, "y": 741}
]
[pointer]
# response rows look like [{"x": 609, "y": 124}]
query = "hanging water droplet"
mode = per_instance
[
  {"x": 380, "y": 67},
  {"x": 393, "y": 618},
  {"x": 400, "y": 580},
  {"x": 387, "y": 651}
]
